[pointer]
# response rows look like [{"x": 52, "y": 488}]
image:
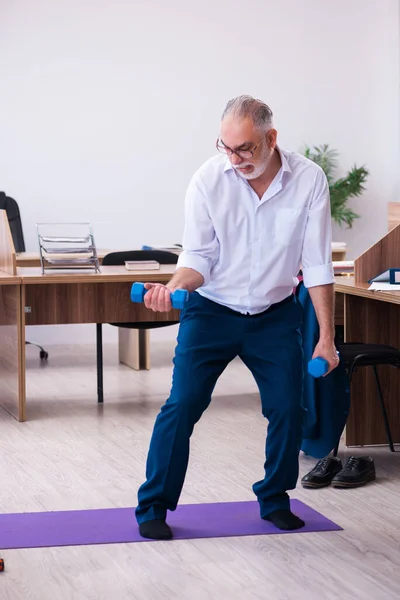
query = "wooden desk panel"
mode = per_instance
[
  {"x": 376, "y": 322},
  {"x": 88, "y": 297},
  {"x": 12, "y": 350},
  {"x": 371, "y": 317},
  {"x": 69, "y": 303},
  {"x": 385, "y": 253}
]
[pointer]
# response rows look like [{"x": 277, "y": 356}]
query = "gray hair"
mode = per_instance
[{"x": 247, "y": 106}]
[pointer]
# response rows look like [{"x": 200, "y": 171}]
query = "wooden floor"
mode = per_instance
[{"x": 74, "y": 454}]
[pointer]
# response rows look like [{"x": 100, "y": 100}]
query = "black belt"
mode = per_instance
[{"x": 273, "y": 306}]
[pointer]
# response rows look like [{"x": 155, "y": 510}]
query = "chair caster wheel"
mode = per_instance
[{"x": 44, "y": 355}]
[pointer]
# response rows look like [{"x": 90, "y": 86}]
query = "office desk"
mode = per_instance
[
  {"x": 372, "y": 317},
  {"x": 63, "y": 298},
  {"x": 133, "y": 344},
  {"x": 66, "y": 298}
]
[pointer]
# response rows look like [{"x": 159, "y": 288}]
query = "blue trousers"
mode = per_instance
[{"x": 210, "y": 337}]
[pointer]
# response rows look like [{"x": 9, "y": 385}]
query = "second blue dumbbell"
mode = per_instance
[
  {"x": 318, "y": 366},
  {"x": 178, "y": 298}
]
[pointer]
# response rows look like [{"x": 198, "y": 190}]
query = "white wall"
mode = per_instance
[{"x": 107, "y": 108}]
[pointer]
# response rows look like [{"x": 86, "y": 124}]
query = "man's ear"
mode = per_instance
[{"x": 271, "y": 137}]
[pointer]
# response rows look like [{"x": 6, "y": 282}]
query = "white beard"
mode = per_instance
[
  {"x": 256, "y": 172},
  {"x": 258, "y": 169}
]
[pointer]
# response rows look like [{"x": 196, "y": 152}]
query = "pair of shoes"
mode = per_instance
[{"x": 355, "y": 473}]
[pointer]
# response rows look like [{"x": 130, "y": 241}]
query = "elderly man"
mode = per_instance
[{"x": 254, "y": 214}]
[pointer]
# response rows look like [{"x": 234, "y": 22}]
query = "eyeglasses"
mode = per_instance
[{"x": 240, "y": 153}]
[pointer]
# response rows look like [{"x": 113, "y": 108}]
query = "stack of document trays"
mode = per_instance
[{"x": 67, "y": 246}]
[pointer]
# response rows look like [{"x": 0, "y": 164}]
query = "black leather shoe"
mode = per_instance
[
  {"x": 356, "y": 472},
  {"x": 323, "y": 472}
]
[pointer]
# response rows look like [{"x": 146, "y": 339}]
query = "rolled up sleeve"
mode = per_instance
[
  {"x": 317, "y": 247},
  {"x": 200, "y": 244}
]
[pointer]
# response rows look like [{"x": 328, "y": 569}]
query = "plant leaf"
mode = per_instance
[{"x": 342, "y": 189}]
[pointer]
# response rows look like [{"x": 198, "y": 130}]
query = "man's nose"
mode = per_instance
[{"x": 235, "y": 159}]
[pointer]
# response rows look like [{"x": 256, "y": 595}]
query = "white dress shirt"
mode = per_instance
[{"x": 248, "y": 250}]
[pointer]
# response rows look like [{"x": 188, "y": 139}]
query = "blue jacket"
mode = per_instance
[{"x": 326, "y": 400}]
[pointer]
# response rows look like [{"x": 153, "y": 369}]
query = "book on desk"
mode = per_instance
[
  {"x": 389, "y": 276},
  {"x": 142, "y": 265}
]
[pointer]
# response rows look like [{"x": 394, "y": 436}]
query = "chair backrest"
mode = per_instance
[
  {"x": 161, "y": 256},
  {"x": 14, "y": 218}
]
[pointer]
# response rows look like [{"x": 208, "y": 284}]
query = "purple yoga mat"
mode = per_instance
[{"x": 118, "y": 525}]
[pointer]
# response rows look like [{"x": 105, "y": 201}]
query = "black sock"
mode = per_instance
[
  {"x": 155, "y": 530},
  {"x": 284, "y": 519}
]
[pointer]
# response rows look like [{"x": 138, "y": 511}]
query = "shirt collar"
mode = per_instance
[{"x": 284, "y": 169}]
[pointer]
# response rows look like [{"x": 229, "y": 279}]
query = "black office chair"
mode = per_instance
[
  {"x": 119, "y": 258},
  {"x": 358, "y": 355},
  {"x": 14, "y": 218}
]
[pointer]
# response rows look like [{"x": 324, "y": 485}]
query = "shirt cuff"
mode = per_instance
[
  {"x": 198, "y": 263},
  {"x": 318, "y": 275}
]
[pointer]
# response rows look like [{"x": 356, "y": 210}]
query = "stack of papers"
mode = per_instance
[
  {"x": 384, "y": 287},
  {"x": 343, "y": 267},
  {"x": 339, "y": 246}
]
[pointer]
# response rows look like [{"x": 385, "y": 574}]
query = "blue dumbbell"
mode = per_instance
[
  {"x": 178, "y": 298},
  {"x": 318, "y": 366}
]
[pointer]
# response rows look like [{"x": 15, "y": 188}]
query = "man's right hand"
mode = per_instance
[{"x": 158, "y": 297}]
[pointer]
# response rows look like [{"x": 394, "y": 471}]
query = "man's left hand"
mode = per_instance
[{"x": 326, "y": 349}]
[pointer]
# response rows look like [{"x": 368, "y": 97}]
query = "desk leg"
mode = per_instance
[
  {"x": 12, "y": 352},
  {"x": 99, "y": 351},
  {"x": 375, "y": 322},
  {"x": 134, "y": 348}
]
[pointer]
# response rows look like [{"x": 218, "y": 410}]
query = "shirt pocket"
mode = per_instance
[{"x": 289, "y": 225}]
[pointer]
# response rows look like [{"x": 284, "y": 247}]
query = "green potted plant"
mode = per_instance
[{"x": 340, "y": 189}]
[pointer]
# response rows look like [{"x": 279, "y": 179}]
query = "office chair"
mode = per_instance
[
  {"x": 14, "y": 218},
  {"x": 119, "y": 258},
  {"x": 358, "y": 355}
]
